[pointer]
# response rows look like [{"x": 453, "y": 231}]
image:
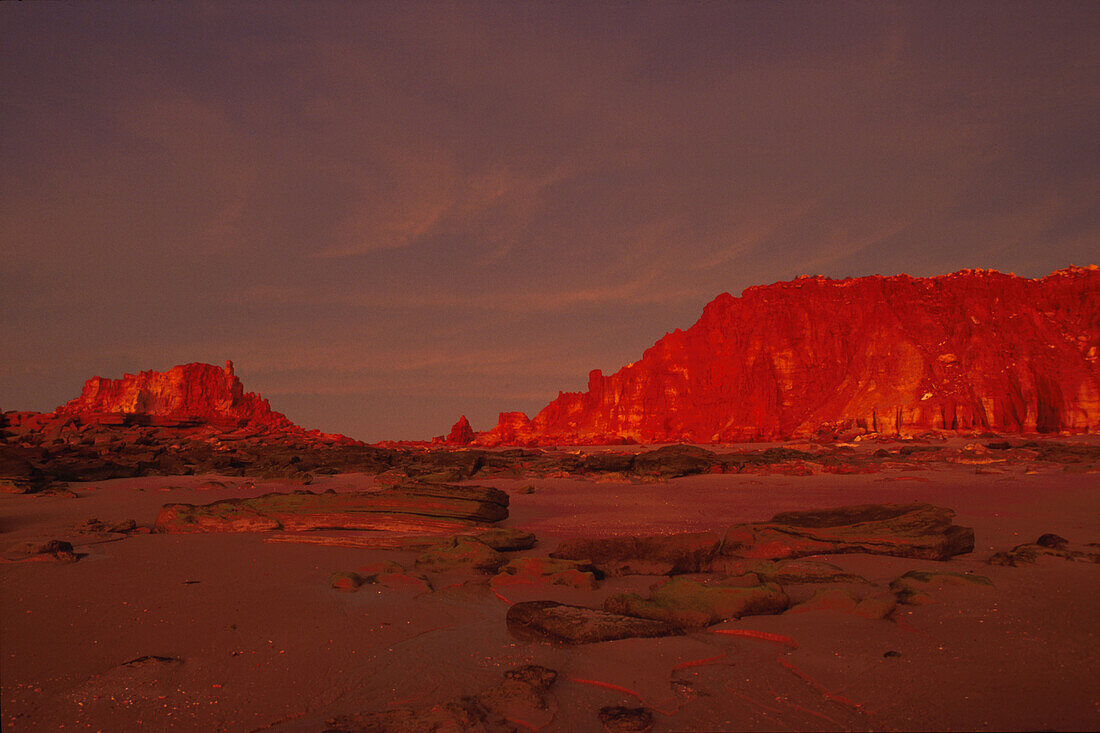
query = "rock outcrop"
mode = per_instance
[
  {"x": 189, "y": 394},
  {"x": 408, "y": 508},
  {"x": 903, "y": 530},
  {"x": 974, "y": 350},
  {"x": 461, "y": 433}
]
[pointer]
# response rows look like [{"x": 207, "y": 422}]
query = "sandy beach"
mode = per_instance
[{"x": 236, "y": 632}]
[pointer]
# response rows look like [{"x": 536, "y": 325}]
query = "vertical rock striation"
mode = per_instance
[{"x": 973, "y": 350}]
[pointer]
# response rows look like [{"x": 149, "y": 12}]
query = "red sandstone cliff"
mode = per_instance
[
  {"x": 190, "y": 393},
  {"x": 970, "y": 350}
]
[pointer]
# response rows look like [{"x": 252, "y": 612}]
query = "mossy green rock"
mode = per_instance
[
  {"x": 460, "y": 554},
  {"x": 689, "y": 603}
]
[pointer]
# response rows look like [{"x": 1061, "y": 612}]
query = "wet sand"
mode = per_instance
[{"x": 266, "y": 643}]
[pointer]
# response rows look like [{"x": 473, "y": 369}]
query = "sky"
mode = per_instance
[{"x": 389, "y": 214}]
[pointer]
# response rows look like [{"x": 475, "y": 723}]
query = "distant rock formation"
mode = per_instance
[
  {"x": 190, "y": 394},
  {"x": 974, "y": 350},
  {"x": 461, "y": 433}
]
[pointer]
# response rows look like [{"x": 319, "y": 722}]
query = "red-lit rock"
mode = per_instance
[
  {"x": 461, "y": 433},
  {"x": 975, "y": 350},
  {"x": 186, "y": 395}
]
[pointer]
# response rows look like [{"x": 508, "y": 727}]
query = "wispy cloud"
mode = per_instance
[{"x": 647, "y": 288}]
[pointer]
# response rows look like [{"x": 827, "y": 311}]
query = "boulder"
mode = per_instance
[
  {"x": 621, "y": 719},
  {"x": 1047, "y": 546},
  {"x": 566, "y": 624},
  {"x": 671, "y": 461},
  {"x": 48, "y": 551},
  {"x": 460, "y": 554}
]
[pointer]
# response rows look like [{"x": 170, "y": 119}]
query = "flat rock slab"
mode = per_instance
[
  {"x": 559, "y": 622},
  {"x": 646, "y": 555},
  {"x": 914, "y": 530},
  {"x": 688, "y": 603},
  {"x": 415, "y": 507}
]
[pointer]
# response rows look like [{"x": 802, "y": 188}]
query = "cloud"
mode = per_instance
[{"x": 646, "y": 288}]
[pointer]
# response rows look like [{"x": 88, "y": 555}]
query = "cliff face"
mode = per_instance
[
  {"x": 191, "y": 393},
  {"x": 971, "y": 350}
]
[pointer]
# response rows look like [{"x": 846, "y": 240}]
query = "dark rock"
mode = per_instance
[
  {"x": 533, "y": 674},
  {"x": 608, "y": 462},
  {"x": 645, "y": 555},
  {"x": 619, "y": 719},
  {"x": 18, "y": 473},
  {"x": 1049, "y": 545},
  {"x": 558, "y": 622},
  {"x": 671, "y": 461},
  {"x": 152, "y": 660},
  {"x": 37, "y": 551},
  {"x": 506, "y": 540},
  {"x": 1052, "y": 541}
]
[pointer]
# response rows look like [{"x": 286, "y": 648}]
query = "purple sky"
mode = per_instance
[{"x": 390, "y": 214}]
